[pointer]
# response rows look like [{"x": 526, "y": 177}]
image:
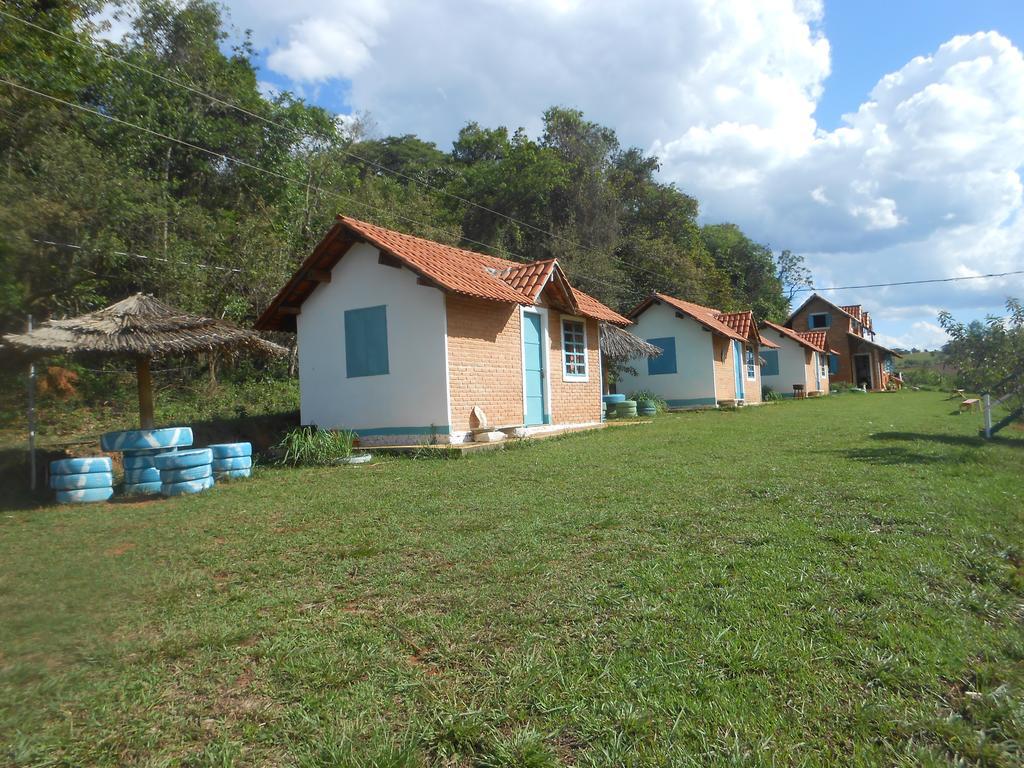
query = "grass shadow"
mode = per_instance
[
  {"x": 893, "y": 456},
  {"x": 968, "y": 441}
]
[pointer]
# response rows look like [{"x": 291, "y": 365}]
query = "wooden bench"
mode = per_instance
[{"x": 970, "y": 404}]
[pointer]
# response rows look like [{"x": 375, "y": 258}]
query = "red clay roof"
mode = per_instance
[
  {"x": 732, "y": 325},
  {"x": 451, "y": 269},
  {"x": 815, "y": 340},
  {"x": 852, "y": 309}
]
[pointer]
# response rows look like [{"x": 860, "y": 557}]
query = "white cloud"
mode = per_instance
[{"x": 922, "y": 179}]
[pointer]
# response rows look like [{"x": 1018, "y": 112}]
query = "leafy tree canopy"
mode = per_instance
[{"x": 92, "y": 209}]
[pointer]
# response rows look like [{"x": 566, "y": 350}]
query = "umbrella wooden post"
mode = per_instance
[{"x": 145, "y": 393}]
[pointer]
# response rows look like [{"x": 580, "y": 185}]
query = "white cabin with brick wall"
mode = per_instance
[{"x": 403, "y": 340}]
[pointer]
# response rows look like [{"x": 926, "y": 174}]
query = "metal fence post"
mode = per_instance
[
  {"x": 988, "y": 415},
  {"x": 31, "y": 418}
]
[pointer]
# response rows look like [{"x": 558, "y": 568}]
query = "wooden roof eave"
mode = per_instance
[{"x": 280, "y": 313}]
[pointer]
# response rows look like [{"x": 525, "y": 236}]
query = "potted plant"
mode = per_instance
[{"x": 647, "y": 403}]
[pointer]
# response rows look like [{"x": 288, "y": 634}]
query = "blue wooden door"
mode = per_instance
[
  {"x": 740, "y": 363},
  {"x": 533, "y": 364}
]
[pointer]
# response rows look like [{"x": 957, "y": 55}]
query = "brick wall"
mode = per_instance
[
  {"x": 485, "y": 361},
  {"x": 752, "y": 387},
  {"x": 836, "y": 334},
  {"x": 725, "y": 374},
  {"x": 574, "y": 402}
]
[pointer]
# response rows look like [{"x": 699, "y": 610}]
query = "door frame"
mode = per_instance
[
  {"x": 542, "y": 312},
  {"x": 871, "y": 373},
  {"x": 739, "y": 369}
]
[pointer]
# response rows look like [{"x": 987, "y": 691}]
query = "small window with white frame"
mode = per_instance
[
  {"x": 751, "y": 364},
  {"x": 574, "y": 349}
]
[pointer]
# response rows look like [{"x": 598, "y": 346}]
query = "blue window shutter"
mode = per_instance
[
  {"x": 366, "y": 342},
  {"x": 771, "y": 362},
  {"x": 833, "y": 363},
  {"x": 666, "y": 363}
]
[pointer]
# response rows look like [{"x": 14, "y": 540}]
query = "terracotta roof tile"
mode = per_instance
[
  {"x": 853, "y": 310},
  {"x": 812, "y": 339},
  {"x": 452, "y": 269},
  {"x": 732, "y": 325},
  {"x": 591, "y": 307},
  {"x": 457, "y": 270}
]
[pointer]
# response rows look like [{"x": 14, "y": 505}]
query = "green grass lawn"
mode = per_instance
[{"x": 820, "y": 582}]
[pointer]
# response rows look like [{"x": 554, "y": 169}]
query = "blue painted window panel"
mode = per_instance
[
  {"x": 666, "y": 362},
  {"x": 833, "y": 363},
  {"x": 366, "y": 342},
  {"x": 770, "y": 367},
  {"x": 820, "y": 320}
]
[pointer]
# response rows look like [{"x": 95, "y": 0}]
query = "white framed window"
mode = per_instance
[
  {"x": 751, "y": 360},
  {"x": 574, "y": 349},
  {"x": 822, "y": 365}
]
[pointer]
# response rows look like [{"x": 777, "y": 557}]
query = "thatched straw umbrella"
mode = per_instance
[
  {"x": 620, "y": 345},
  {"x": 140, "y": 327}
]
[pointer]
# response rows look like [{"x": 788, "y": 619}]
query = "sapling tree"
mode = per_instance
[{"x": 989, "y": 354}]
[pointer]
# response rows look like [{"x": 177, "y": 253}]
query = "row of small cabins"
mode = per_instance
[{"x": 404, "y": 341}]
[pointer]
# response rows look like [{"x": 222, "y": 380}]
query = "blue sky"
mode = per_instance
[
  {"x": 884, "y": 141},
  {"x": 872, "y": 37}
]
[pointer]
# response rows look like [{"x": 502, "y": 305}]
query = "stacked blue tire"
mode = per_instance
[
  {"x": 183, "y": 472},
  {"x": 232, "y": 460},
  {"x": 140, "y": 448},
  {"x": 78, "y": 481}
]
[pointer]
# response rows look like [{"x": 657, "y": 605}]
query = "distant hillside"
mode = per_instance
[{"x": 928, "y": 369}]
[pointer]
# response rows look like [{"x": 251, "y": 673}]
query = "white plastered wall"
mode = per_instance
[
  {"x": 792, "y": 361},
  {"x": 414, "y": 392},
  {"x": 693, "y": 383}
]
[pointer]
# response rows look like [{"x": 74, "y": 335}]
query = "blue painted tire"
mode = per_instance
[
  {"x": 146, "y": 439},
  {"x": 239, "y": 462},
  {"x": 192, "y": 486},
  {"x": 230, "y": 450},
  {"x": 184, "y": 459},
  {"x": 612, "y": 399},
  {"x": 142, "y": 459},
  {"x": 232, "y": 474},
  {"x": 81, "y": 466},
  {"x": 144, "y": 475},
  {"x": 74, "y": 482},
  {"x": 84, "y": 496},
  {"x": 186, "y": 474},
  {"x": 142, "y": 489}
]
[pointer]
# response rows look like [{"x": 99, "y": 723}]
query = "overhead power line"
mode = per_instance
[
  {"x": 201, "y": 265},
  {"x": 275, "y": 174},
  {"x": 913, "y": 282},
  {"x": 346, "y": 152}
]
